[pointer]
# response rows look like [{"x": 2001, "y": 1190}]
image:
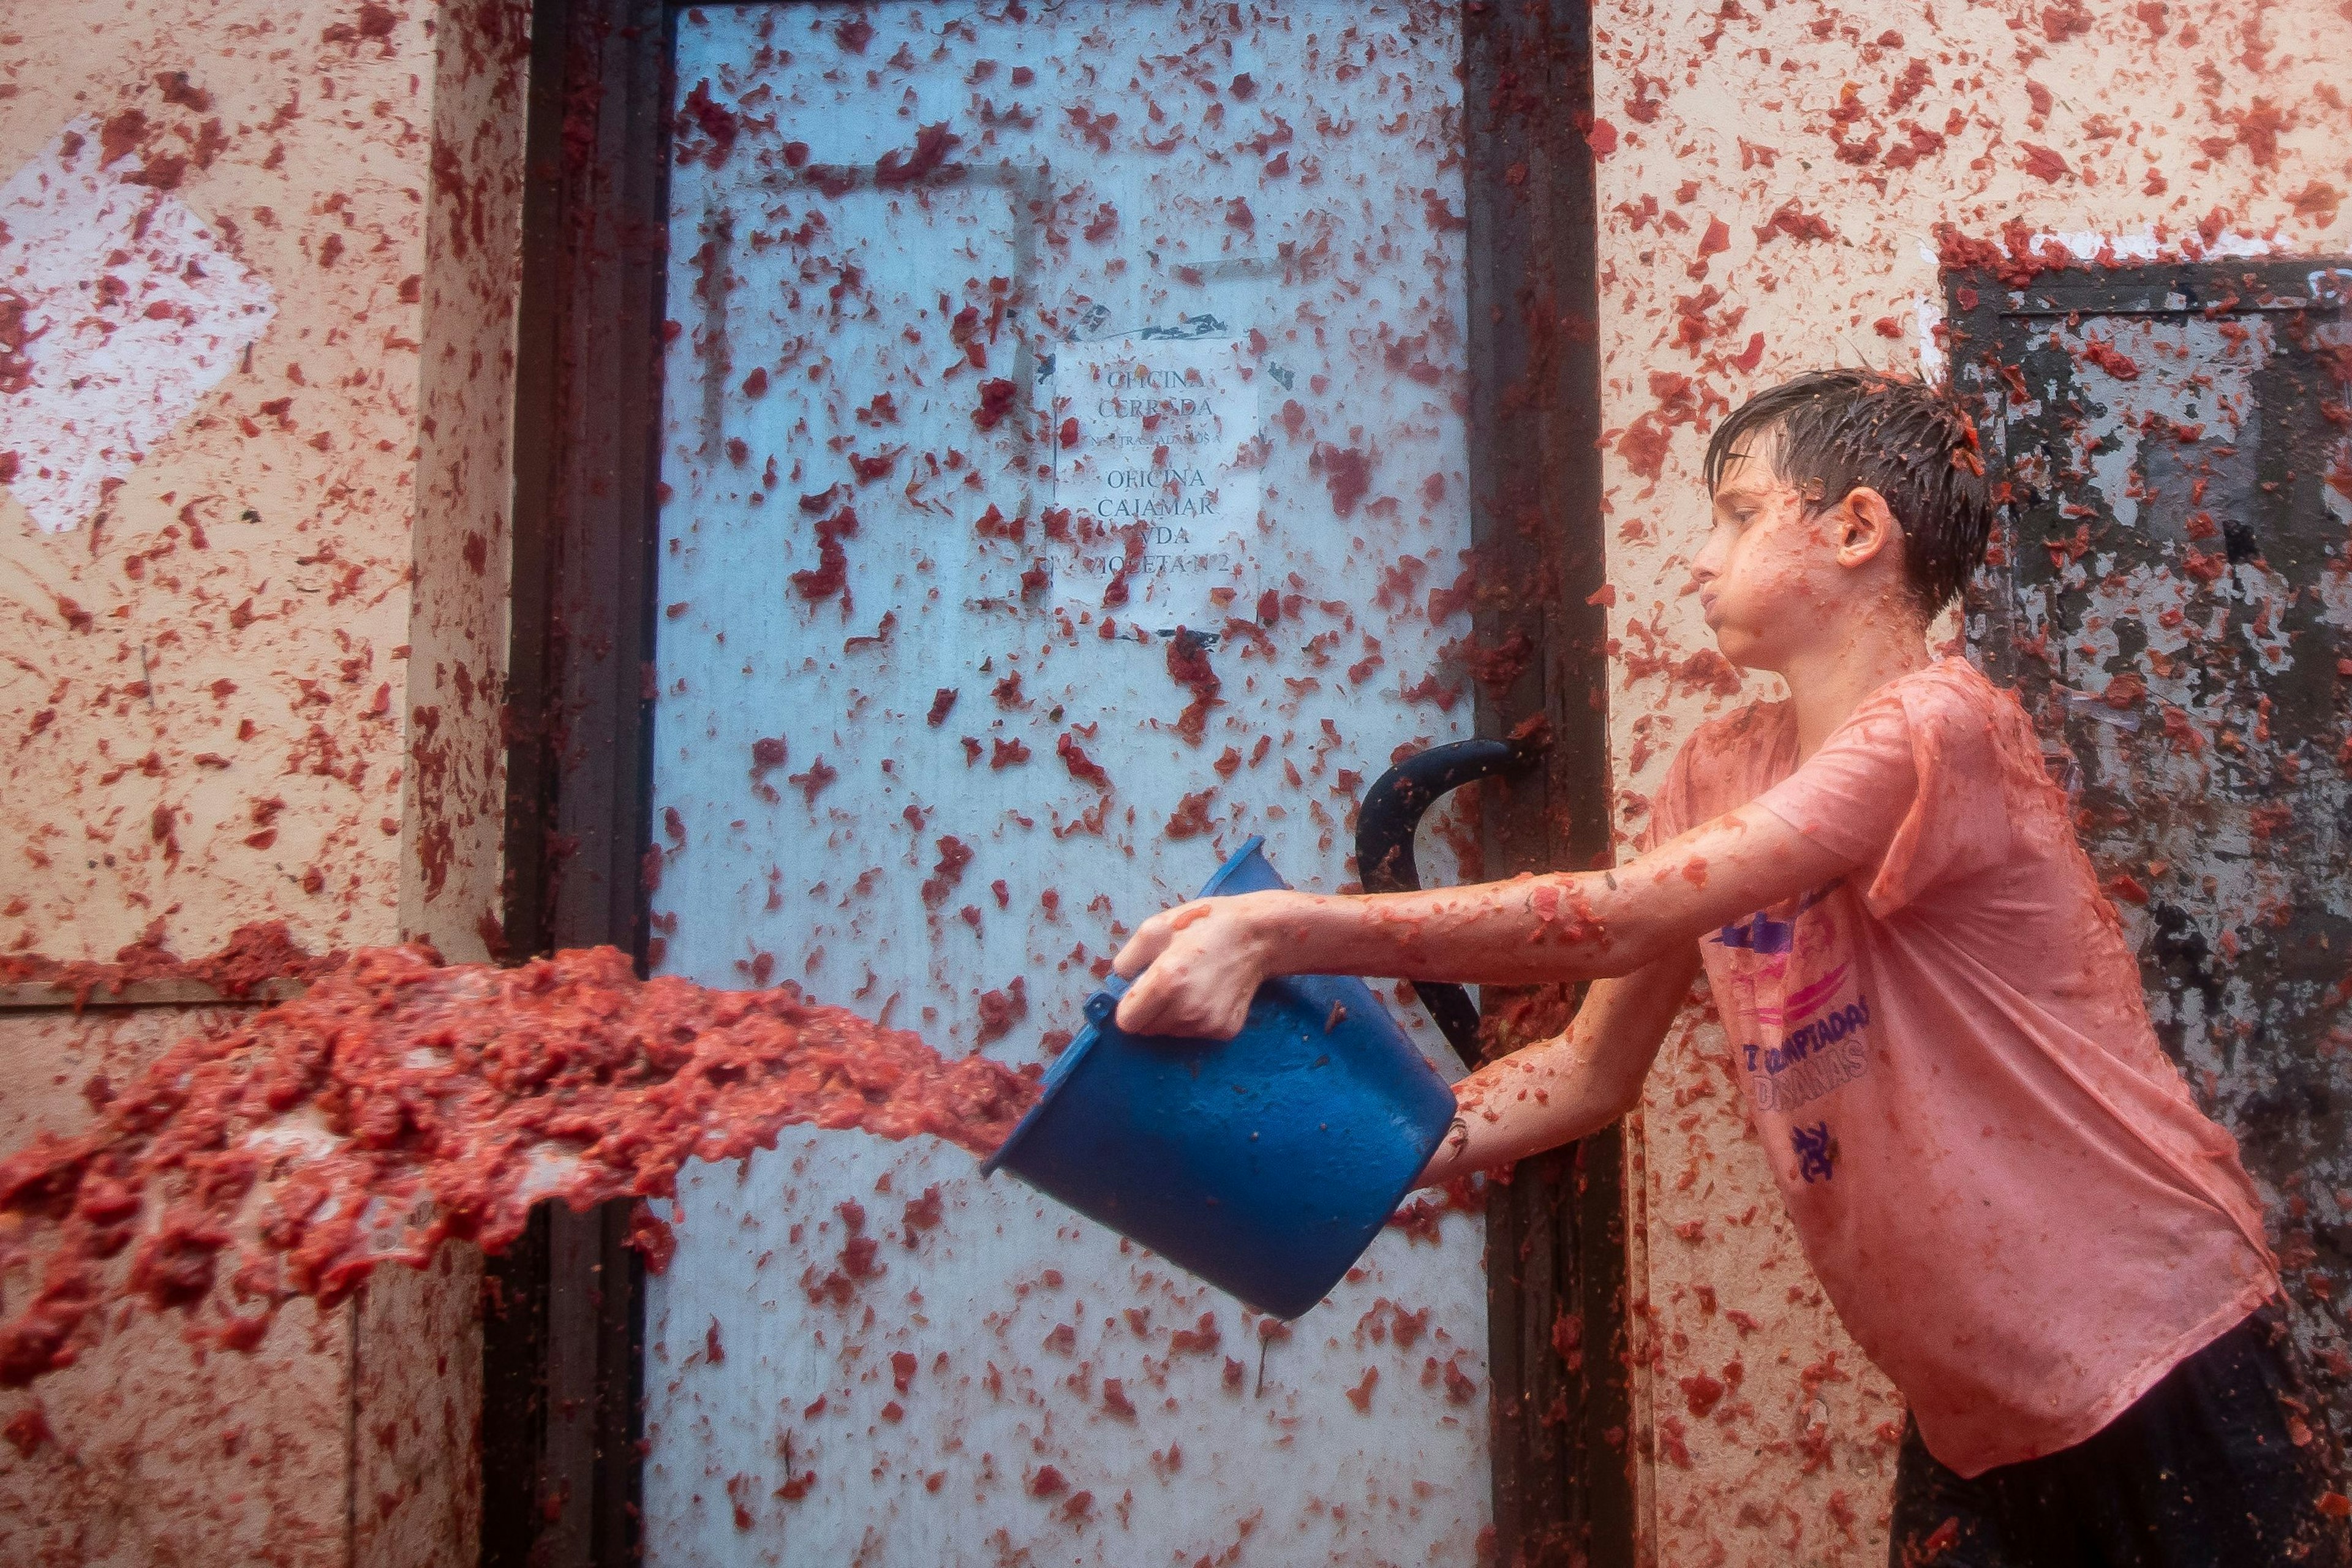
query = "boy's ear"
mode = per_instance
[{"x": 1866, "y": 527}]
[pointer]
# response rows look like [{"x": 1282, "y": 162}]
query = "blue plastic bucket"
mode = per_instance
[{"x": 1266, "y": 1164}]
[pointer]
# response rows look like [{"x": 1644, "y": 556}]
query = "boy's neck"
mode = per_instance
[{"x": 1827, "y": 684}]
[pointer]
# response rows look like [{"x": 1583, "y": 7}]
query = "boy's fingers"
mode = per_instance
[
  {"x": 1149, "y": 940},
  {"x": 1135, "y": 1010},
  {"x": 1159, "y": 1003},
  {"x": 1155, "y": 1005},
  {"x": 1155, "y": 936}
]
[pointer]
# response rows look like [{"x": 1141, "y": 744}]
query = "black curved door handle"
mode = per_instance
[{"x": 1392, "y": 808}]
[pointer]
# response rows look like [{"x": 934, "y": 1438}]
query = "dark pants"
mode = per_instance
[{"x": 2205, "y": 1470}]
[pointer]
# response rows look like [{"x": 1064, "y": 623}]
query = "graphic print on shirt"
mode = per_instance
[
  {"x": 1816, "y": 1149},
  {"x": 1760, "y": 933},
  {"x": 1821, "y": 1024},
  {"x": 1822, "y": 1049}
]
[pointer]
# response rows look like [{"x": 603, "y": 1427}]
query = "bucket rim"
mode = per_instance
[
  {"x": 1224, "y": 873},
  {"x": 1055, "y": 1077}
]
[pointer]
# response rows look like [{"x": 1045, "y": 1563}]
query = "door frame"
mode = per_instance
[{"x": 563, "y": 1311}]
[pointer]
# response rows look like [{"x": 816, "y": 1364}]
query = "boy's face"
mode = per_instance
[
  {"x": 1781, "y": 572},
  {"x": 1770, "y": 575}
]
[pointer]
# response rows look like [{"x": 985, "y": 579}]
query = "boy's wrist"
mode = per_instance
[
  {"x": 1273, "y": 921},
  {"x": 1453, "y": 1152}
]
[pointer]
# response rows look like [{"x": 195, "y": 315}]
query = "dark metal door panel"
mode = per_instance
[{"x": 2171, "y": 596}]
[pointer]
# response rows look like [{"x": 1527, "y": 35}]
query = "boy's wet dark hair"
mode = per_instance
[{"x": 1828, "y": 431}]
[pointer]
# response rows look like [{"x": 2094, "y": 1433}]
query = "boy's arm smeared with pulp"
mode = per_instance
[
  {"x": 1557, "y": 1090},
  {"x": 1635, "y": 929}
]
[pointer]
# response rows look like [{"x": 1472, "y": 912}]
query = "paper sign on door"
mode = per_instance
[{"x": 1157, "y": 461}]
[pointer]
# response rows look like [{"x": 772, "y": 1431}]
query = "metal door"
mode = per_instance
[
  {"x": 2172, "y": 598},
  {"x": 1064, "y": 479}
]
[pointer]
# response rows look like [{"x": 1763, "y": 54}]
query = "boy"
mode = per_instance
[{"x": 2002, "y": 1182}]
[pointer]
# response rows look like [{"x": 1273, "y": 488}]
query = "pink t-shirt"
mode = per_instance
[{"x": 2003, "y": 1182}]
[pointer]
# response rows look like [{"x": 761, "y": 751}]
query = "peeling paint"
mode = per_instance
[{"x": 128, "y": 310}]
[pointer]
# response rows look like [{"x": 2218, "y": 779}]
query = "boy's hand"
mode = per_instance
[{"x": 1199, "y": 965}]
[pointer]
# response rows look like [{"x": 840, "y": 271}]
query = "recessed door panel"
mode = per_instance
[{"x": 2173, "y": 602}]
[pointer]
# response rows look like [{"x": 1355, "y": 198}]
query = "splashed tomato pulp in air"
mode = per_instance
[{"x": 402, "y": 1102}]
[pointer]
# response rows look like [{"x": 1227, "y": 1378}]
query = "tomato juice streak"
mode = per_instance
[{"x": 401, "y": 1102}]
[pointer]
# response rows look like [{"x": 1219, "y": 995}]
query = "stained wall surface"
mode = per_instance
[
  {"x": 256, "y": 277},
  {"x": 1773, "y": 183},
  {"x": 211, "y": 450},
  {"x": 223, "y": 594},
  {"x": 243, "y": 1462}
]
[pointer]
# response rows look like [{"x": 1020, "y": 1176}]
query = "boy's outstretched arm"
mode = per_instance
[
  {"x": 1195, "y": 967},
  {"x": 1557, "y": 1090}
]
